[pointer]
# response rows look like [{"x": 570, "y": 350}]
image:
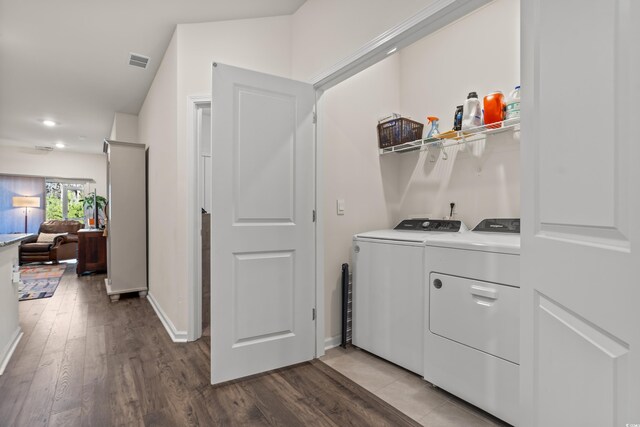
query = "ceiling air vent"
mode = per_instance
[
  {"x": 43, "y": 148},
  {"x": 138, "y": 60}
]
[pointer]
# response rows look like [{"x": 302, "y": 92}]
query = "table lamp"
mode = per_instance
[{"x": 26, "y": 203}]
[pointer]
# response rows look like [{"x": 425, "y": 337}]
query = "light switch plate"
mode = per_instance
[{"x": 340, "y": 206}]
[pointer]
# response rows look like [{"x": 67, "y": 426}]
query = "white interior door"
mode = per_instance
[
  {"x": 262, "y": 229},
  {"x": 580, "y": 327}
]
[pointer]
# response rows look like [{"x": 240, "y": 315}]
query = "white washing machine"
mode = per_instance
[
  {"x": 388, "y": 286},
  {"x": 471, "y": 346}
]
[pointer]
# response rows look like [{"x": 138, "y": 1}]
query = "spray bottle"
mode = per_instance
[{"x": 433, "y": 130}]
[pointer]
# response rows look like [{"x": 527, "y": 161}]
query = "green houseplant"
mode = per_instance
[{"x": 88, "y": 205}]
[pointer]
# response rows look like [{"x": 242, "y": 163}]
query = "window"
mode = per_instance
[{"x": 63, "y": 201}]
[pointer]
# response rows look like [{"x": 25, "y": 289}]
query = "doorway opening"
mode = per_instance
[
  {"x": 204, "y": 178},
  {"x": 380, "y": 188},
  {"x": 199, "y": 137}
]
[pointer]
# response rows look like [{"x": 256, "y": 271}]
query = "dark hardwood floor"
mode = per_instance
[{"x": 86, "y": 361}]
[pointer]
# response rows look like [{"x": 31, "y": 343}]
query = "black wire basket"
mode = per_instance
[{"x": 398, "y": 130}]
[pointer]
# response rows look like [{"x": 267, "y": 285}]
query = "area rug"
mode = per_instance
[{"x": 39, "y": 281}]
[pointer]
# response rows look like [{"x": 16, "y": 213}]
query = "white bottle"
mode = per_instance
[
  {"x": 471, "y": 112},
  {"x": 513, "y": 104}
]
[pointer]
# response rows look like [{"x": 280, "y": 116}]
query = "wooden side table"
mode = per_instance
[{"x": 92, "y": 252}]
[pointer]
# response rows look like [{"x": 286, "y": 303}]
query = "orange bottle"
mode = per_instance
[{"x": 494, "y": 107}]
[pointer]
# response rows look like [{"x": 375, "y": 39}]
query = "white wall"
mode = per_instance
[
  {"x": 354, "y": 171},
  {"x": 157, "y": 122},
  {"x": 125, "y": 128},
  {"x": 326, "y": 31},
  {"x": 55, "y": 164},
  {"x": 485, "y": 181},
  {"x": 260, "y": 44}
]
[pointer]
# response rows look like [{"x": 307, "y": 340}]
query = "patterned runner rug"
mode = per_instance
[{"x": 39, "y": 281}]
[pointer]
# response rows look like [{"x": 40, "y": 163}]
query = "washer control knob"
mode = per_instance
[
  {"x": 425, "y": 224},
  {"x": 437, "y": 283}
]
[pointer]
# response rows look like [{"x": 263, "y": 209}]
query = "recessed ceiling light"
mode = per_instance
[
  {"x": 60, "y": 144},
  {"x": 49, "y": 123}
]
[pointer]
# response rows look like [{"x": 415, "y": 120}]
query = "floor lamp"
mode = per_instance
[{"x": 26, "y": 203}]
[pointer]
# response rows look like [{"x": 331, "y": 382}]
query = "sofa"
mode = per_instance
[{"x": 61, "y": 247}]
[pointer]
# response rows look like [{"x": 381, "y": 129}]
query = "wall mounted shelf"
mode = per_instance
[{"x": 452, "y": 138}]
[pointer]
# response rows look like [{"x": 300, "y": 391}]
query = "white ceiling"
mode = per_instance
[{"x": 67, "y": 60}]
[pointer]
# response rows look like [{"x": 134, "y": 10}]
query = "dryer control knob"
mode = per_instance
[
  {"x": 437, "y": 283},
  {"x": 425, "y": 224},
  {"x": 356, "y": 249}
]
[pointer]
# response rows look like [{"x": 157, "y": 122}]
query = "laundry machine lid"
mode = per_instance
[
  {"x": 419, "y": 230},
  {"x": 499, "y": 225},
  {"x": 478, "y": 241},
  {"x": 394, "y": 236}
]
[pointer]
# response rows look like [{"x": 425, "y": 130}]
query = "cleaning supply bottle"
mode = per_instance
[
  {"x": 457, "y": 118},
  {"x": 494, "y": 110},
  {"x": 513, "y": 104},
  {"x": 471, "y": 112},
  {"x": 433, "y": 130}
]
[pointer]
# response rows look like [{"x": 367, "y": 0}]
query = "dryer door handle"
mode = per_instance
[{"x": 484, "y": 292}]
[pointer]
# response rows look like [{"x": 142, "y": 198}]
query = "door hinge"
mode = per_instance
[
  {"x": 315, "y": 118},
  {"x": 313, "y": 215},
  {"x": 313, "y": 314}
]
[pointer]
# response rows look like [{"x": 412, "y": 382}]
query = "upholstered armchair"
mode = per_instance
[{"x": 47, "y": 247}]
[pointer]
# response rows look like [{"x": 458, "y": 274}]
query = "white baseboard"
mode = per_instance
[
  {"x": 11, "y": 347},
  {"x": 332, "y": 342},
  {"x": 176, "y": 336}
]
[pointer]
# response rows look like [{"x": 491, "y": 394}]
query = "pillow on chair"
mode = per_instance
[{"x": 48, "y": 237}]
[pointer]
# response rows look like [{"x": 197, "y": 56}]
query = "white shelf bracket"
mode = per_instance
[{"x": 445, "y": 156}]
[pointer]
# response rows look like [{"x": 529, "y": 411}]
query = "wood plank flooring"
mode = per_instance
[{"x": 84, "y": 361}]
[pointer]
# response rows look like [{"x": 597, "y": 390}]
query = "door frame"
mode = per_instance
[
  {"x": 194, "y": 217},
  {"x": 427, "y": 21}
]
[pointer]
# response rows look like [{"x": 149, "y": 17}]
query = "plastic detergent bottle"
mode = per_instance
[
  {"x": 494, "y": 110},
  {"x": 513, "y": 104},
  {"x": 471, "y": 112}
]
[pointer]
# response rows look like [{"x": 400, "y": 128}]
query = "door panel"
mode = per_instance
[
  {"x": 598, "y": 170},
  {"x": 264, "y": 296},
  {"x": 580, "y": 339},
  {"x": 262, "y": 230},
  {"x": 569, "y": 165},
  {"x": 588, "y": 358},
  {"x": 264, "y": 189}
]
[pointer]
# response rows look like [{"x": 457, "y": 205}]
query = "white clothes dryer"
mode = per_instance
[{"x": 471, "y": 346}]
